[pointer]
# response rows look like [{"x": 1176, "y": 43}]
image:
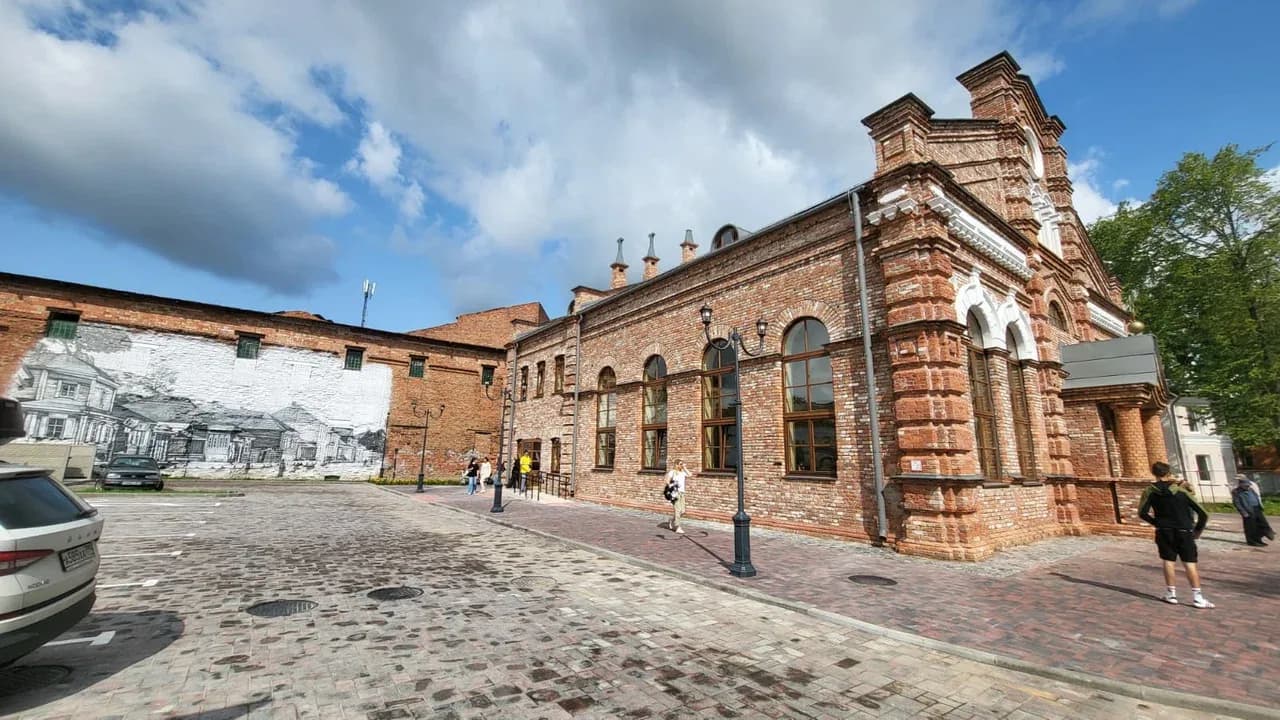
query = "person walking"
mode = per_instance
[
  {"x": 1249, "y": 505},
  {"x": 473, "y": 470},
  {"x": 676, "y": 482},
  {"x": 1169, "y": 508},
  {"x": 486, "y": 470},
  {"x": 526, "y": 467}
]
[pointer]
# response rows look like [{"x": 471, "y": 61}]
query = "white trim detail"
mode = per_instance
[
  {"x": 1048, "y": 217},
  {"x": 979, "y": 235},
  {"x": 1011, "y": 315},
  {"x": 972, "y": 297},
  {"x": 1106, "y": 319},
  {"x": 892, "y": 204}
]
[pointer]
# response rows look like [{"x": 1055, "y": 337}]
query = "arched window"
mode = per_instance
[
  {"x": 606, "y": 418},
  {"x": 1020, "y": 410},
  {"x": 719, "y": 408},
  {"x": 653, "y": 417},
  {"x": 808, "y": 410},
  {"x": 984, "y": 411},
  {"x": 1057, "y": 318}
]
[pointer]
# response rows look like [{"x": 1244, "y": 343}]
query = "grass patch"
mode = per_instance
[{"x": 1270, "y": 506}]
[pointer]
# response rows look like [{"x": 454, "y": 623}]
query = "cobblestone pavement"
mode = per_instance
[
  {"x": 1084, "y": 604},
  {"x": 509, "y": 626}
]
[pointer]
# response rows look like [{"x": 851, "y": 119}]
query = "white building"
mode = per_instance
[{"x": 1206, "y": 458}]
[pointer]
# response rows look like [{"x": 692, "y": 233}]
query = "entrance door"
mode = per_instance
[{"x": 535, "y": 452}]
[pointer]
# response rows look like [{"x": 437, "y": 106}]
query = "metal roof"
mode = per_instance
[{"x": 1129, "y": 360}]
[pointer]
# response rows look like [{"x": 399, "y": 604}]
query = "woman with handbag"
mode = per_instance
[{"x": 675, "y": 493}]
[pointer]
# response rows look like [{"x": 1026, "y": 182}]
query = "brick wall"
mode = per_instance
[
  {"x": 491, "y": 328},
  {"x": 452, "y": 369}
]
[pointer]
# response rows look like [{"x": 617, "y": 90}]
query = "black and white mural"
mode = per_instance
[{"x": 195, "y": 407}]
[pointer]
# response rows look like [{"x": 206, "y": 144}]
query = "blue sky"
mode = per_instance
[{"x": 273, "y": 156}]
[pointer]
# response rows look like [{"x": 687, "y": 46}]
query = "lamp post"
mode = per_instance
[
  {"x": 742, "y": 566},
  {"x": 426, "y": 421},
  {"x": 487, "y": 380}
]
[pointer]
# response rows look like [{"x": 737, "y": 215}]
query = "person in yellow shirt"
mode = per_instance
[{"x": 526, "y": 467}]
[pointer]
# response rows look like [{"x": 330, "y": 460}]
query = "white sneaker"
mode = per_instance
[
  {"x": 1202, "y": 603},
  {"x": 679, "y": 531},
  {"x": 1171, "y": 597}
]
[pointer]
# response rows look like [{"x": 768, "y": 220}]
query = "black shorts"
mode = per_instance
[{"x": 1175, "y": 544}]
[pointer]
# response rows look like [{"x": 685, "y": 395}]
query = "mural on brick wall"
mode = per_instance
[{"x": 199, "y": 410}]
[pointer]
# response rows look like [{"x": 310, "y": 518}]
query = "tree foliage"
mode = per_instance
[{"x": 1200, "y": 265}]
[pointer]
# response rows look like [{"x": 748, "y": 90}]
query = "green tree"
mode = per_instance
[{"x": 1200, "y": 264}]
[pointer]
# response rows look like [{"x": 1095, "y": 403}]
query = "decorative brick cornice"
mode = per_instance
[{"x": 891, "y": 204}]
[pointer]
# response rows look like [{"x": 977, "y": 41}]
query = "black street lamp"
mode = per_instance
[
  {"x": 742, "y": 566},
  {"x": 486, "y": 380},
  {"x": 426, "y": 421}
]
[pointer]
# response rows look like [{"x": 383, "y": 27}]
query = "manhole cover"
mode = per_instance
[
  {"x": 394, "y": 593},
  {"x": 280, "y": 608},
  {"x": 533, "y": 582},
  {"x": 17, "y": 680},
  {"x": 872, "y": 580}
]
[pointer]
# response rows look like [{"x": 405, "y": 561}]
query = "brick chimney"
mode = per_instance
[
  {"x": 650, "y": 261},
  {"x": 619, "y": 270},
  {"x": 901, "y": 132},
  {"x": 688, "y": 248}
]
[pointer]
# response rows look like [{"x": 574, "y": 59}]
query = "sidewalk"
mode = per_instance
[{"x": 1090, "y": 605}]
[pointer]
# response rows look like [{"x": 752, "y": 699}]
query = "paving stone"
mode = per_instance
[{"x": 579, "y": 645}]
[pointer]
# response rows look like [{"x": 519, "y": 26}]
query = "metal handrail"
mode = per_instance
[{"x": 557, "y": 484}]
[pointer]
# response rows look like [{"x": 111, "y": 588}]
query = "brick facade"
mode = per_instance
[
  {"x": 451, "y": 373},
  {"x": 972, "y": 245}
]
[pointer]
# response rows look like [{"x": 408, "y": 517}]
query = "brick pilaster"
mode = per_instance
[{"x": 1131, "y": 441}]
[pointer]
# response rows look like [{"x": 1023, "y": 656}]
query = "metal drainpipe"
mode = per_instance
[
  {"x": 577, "y": 377},
  {"x": 514, "y": 369},
  {"x": 872, "y": 406}
]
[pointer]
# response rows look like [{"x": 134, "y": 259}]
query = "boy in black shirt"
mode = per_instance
[{"x": 1169, "y": 508}]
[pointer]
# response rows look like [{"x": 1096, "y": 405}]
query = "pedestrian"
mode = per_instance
[
  {"x": 486, "y": 470},
  {"x": 473, "y": 472},
  {"x": 675, "y": 488},
  {"x": 1169, "y": 508},
  {"x": 526, "y": 467},
  {"x": 1249, "y": 505}
]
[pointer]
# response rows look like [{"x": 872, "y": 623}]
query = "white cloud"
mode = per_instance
[
  {"x": 553, "y": 127},
  {"x": 1090, "y": 201},
  {"x": 378, "y": 156},
  {"x": 145, "y": 140}
]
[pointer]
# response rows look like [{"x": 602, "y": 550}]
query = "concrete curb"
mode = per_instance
[{"x": 1189, "y": 701}]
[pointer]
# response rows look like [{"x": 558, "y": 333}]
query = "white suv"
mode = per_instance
[{"x": 48, "y": 558}]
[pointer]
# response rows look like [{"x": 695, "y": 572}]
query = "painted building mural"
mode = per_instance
[{"x": 201, "y": 411}]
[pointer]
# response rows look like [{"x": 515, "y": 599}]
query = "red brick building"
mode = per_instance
[
  {"x": 215, "y": 391},
  {"x": 978, "y": 274}
]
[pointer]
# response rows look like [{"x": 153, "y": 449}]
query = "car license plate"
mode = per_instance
[
  {"x": 130, "y": 482},
  {"x": 76, "y": 556}
]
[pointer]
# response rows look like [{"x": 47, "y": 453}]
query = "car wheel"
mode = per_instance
[{"x": 159, "y": 487}]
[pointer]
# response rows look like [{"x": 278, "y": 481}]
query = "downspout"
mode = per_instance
[
  {"x": 514, "y": 370},
  {"x": 577, "y": 377},
  {"x": 864, "y": 308}
]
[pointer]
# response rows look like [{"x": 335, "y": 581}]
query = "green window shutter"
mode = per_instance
[
  {"x": 62, "y": 326},
  {"x": 417, "y": 367},
  {"x": 355, "y": 359}
]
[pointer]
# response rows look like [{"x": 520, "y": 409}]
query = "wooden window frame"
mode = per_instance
[
  {"x": 245, "y": 341},
  {"x": 1021, "y": 415},
  {"x": 524, "y": 383},
  {"x": 555, "y": 455},
  {"x": 60, "y": 319},
  {"x": 720, "y": 426},
  {"x": 985, "y": 422},
  {"x": 606, "y": 419},
  {"x": 359, "y": 362},
  {"x": 653, "y": 381},
  {"x": 559, "y": 374},
  {"x": 540, "y": 378},
  {"x": 419, "y": 362},
  {"x": 1058, "y": 319},
  {"x": 810, "y": 416}
]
